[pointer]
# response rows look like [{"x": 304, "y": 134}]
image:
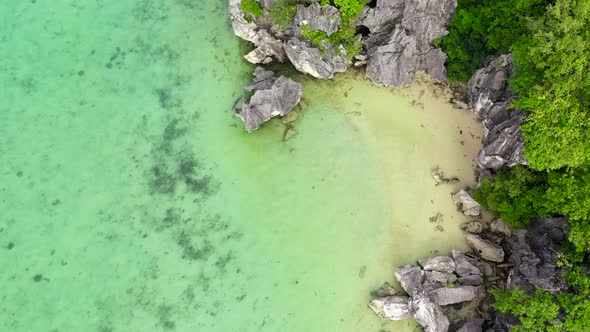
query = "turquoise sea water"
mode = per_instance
[{"x": 132, "y": 200}]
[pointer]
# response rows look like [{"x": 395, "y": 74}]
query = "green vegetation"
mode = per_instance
[
  {"x": 485, "y": 27},
  {"x": 251, "y": 7},
  {"x": 346, "y": 34},
  {"x": 549, "y": 42},
  {"x": 521, "y": 193},
  {"x": 282, "y": 12},
  {"x": 553, "y": 85}
]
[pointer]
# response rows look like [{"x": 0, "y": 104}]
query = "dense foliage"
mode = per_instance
[
  {"x": 485, "y": 27},
  {"x": 282, "y": 12},
  {"x": 553, "y": 85},
  {"x": 251, "y": 7}
]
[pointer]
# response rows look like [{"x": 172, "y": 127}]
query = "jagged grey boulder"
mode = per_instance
[
  {"x": 308, "y": 59},
  {"x": 410, "y": 277},
  {"x": 430, "y": 315},
  {"x": 499, "y": 226},
  {"x": 318, "y": 18},
  {"x": 471, "y": 280},
  {"x": 534, "y": 253},
  {"x": 439, "y": 277},
  {"x": 485, "y": 248},
  {"x": 472, "y": 326},
  {"x": 465, "y": 265},
  {"x": 409, "y": 47},
  {"x": 392, "y": 307},
  {"x": 453, "y": 295},
  {"x": 272, "y": 97},
  {"x": 490, "y": 98},
  {"x": 438, "y": 263},
  {"x": 267, "y": 48},
  {"x": 242, "y": 27},
  {"x": 467, "y": 204}
]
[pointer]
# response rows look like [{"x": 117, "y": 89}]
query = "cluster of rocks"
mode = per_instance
[
  {"x": 435, "y": 283},
  {"x": 449, "y": 292},
  {"x": 397, "y": 35},
  {"x": 273, "y": 43},
  {"x": 272, "y": 96},
  {"x": 490, "y": 97},
  {"x": 400, "y": 39}
]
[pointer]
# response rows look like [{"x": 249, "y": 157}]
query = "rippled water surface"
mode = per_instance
[{"x": 132, "y": 200}]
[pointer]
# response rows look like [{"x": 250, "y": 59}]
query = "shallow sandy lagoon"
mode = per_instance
[{"x": 132, "y": 200}]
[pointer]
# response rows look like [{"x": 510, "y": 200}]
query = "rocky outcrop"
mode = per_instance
[
  {"x": 490, "y": 97},
  {"x": 431, "y": 288},
  {"x": 392, "y": 307},
  {"x": 485, "y": 248},
  {"x": 453, "y": 295},
  {"x": 274, "y": 44},
  {"x": 313, "y": 61},
  {"x": 438, "y": 263},
  {"x": 268, "y": 48},
  {"x": 499, "y": 226},
  {"x": 439, "y": 177},
  {"x": 466, "y": 265},
  {"x": 403, "y": 41},
  {"x": 472, "y": 326},
  {"x": 466, "y": 203},
  {"x": 324, "y": 18},
  {"x": 272, "y": 97},
  {"x": 533, "y": 255}
]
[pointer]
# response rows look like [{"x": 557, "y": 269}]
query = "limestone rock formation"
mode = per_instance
[
  {"x": 430, "y": 315},
  {"x": 452, "y": 295},
  {"x": 499, "y": 226},
  {"x": 490, "y": 97},
  {"x": 467, "y": 204},
  {"x": 465, "y": 265},
  {"x": 272, "y": 97},
  {"x": 485, "y": 248},
  {"x": 395, "y": 57},
  {"x": 410, "y": 277},
  {"x": 324, "y": 18},
  {"x": 274, "y": 44},
  {"x": 431, "y": 288},
  {"x": 533, "y": 254},
  {"x": 312, "y": 61},
  {"x": 472, "y": 326},
  {"x": 392, "y": 307},
  {"x": 438, "y": 263}
]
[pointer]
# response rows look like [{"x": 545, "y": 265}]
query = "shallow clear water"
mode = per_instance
[{"x": 132, "y": 200}]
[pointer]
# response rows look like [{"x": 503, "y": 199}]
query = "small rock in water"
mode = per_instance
[
  {"x": 290, "y": 117},
  {"x": 392, "y": 307},
  {"x": 437, "y": 218},
  {"x": 467, "y": 204},
  {"x": 472, "y": 227},
  {"x": 289, "y": 133},
  {"x": 362, "y": 271},
  {"x": 385, "y": 290},
  {"x": 272, "y": 97},
  {"x": 440, "y": 178},
  {"x": 439, "y": 228}
]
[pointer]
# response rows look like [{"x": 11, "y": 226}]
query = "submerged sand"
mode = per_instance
[{"x": 132, "y": 199}]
